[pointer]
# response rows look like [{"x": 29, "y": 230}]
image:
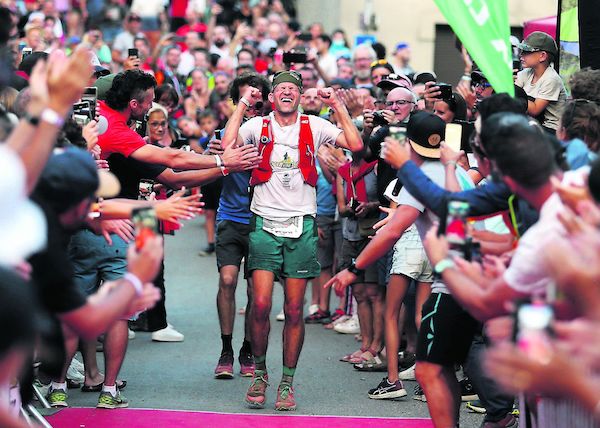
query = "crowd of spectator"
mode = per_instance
[{"x": 457, "y": 226}]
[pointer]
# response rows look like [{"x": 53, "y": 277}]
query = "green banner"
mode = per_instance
[
  {"x": 569, "y": 39},
  {"x": 482, "y": 27}
]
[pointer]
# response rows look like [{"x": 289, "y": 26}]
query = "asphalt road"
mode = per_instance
[{"x": 180, "y": 375}]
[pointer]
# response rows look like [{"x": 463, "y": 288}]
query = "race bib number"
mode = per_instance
[{"x": 290, "y": 228}]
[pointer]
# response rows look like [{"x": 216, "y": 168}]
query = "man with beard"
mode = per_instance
[
  {"x": 131, "y": 158},
  {"x": 283, "y": 236},
  {"x": 220, "y": 41},
  {"x": 362, "y": 58}
]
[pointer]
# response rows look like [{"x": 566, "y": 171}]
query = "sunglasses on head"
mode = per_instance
[{"x": 379, "y": 62}]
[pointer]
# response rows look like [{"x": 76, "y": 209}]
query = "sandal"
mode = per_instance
[
  {"x": 365, "y": 356},
  {"x": 121, "y": 384},
  {"x": 355, "y": 354}
]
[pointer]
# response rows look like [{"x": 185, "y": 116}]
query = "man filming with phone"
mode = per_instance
[{"x": 283, "y": 234}]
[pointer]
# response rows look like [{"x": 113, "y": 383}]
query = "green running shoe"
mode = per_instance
[
  {"x": 57, "y": 397},
  {"x": 108, "y": 401}
]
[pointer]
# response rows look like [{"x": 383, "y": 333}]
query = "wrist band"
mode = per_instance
[
  {"x": 135, "y": 281},
  {"x": 224, "y": 171},
  {"x": 218, "y": 161},
  {"x": 53, "y": 118},
  {"x": 245, "y": 101},
  {"x": 451, "y": 162}
]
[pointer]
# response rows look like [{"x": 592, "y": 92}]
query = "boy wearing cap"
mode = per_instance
[
  {"x": 283, "y": 236},
  {"x": 446, "y": 329},
  {"x": 543, "y": 85}
]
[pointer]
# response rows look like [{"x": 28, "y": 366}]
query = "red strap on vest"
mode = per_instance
[
  {"x": 306, "y": 154},
  {"x": 306, "y": 148}
]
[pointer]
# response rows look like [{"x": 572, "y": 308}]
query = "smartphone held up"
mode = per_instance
[{"x": 146, "y": 226}]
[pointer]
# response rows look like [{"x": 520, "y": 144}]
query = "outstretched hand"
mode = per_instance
[
  {"x": 340, "y": 281},
  {"x": 241, "y": 158}
]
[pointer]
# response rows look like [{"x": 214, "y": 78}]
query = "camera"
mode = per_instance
[
  {"x": 354, "y": 203},
  {"x": 378, "y": 118},
  {"x": 133, "y": 52},
  {"x": 445, "y": 91},
  {"x": 294, "y": 57}
]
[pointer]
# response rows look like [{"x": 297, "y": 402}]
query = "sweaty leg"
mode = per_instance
[
  {"x": 209, "y": 225},
  {"x": 260, "y": 325},
  {"x": 442, "y": 391},
  {"x": 423, "y": 292},
  {"x": 293, "y": 330},
  {"x": 365, "y": 314},
  {"x": 376, "y": 297},
  {"x": 92, "y": 374},
  {"x": 115, "y": 346},
  {"x": 71, "y": 340},
  {"x": 250, "y": 295},
  {"x": 393, "y": 301},
  {"x": 228, "y": 277},
  {"x": 324, "y": 293},
  {"x": 315, "y": 291}
]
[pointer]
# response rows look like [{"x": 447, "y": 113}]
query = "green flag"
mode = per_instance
[{"x": 482, "y": 27}]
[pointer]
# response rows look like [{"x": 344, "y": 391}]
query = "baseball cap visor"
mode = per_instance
[{"x": 109, "y": 186}]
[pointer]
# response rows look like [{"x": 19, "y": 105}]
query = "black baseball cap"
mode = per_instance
[
  {"x": 424, "y": 77},
  {"x": 539, "y": 41},
  {"x": 70, "y": 176},
  {"x": 426, "y": 131}
]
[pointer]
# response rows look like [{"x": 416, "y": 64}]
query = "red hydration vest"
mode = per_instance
[{"x": 306, "y": 154}]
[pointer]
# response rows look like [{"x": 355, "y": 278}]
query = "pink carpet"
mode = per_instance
[{"x": 138, "y": 418}]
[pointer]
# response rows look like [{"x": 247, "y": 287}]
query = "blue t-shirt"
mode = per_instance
[
  {"x": 578, "y": 154},
  {"x": 234, "y": 204},
  {"x": 326, "y": 203}
]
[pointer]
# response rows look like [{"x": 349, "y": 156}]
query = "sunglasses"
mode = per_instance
[{"x": 482, "y": 85}]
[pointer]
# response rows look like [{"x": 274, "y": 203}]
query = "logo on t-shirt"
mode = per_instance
[{"x": 285, "y": 163}]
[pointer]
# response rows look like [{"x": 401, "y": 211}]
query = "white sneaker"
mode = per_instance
[
  {"x": 350, "y": 326},
  {"x": 341, "y": 320},
  {"x": 280, "y": 316},
  {"x": 167, "y": 334},
  {"x": 74, "y": 375},
  {"x": 130, "y": 334},
  {"x": 408, "y": 374},
  {"x": 312, "y": 309}
]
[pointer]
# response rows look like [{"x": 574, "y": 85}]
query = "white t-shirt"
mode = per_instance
[
  {"x": 527, "y": 272},
  {"x": 328, "y": 64},
  {"x": 286, "y": 194},
  {"x": 549, "y": 87},
  {"x": 124, "y": 41},
  {"x": 436, "y": 173}
]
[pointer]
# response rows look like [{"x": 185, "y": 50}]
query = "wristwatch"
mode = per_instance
[
  {"x": 353, "y": 269},
  {"x": 442, "y": 265}
]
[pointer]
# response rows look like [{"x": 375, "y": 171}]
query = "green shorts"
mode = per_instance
[{"x": 285, "y": 257}]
